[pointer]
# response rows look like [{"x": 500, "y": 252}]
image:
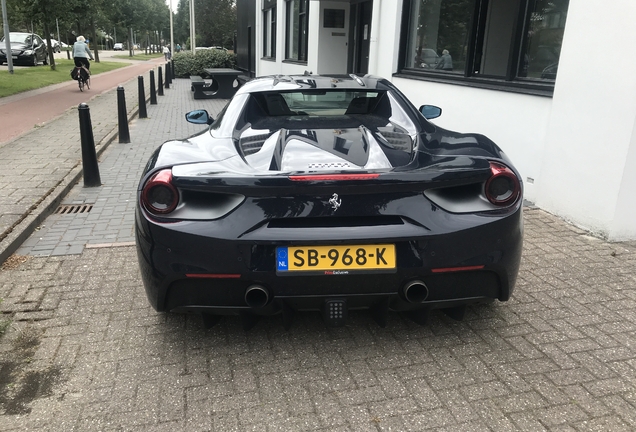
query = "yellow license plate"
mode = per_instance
[{"x": 338, "y": 258}]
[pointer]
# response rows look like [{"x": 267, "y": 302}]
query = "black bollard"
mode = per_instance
[
  {"x": 171, "y": 75},
  {"x": 142, "y": 97},
  {"x": 122, "y": 115},
  {"x": 153, "y": 90},
  {"x": 172, "y": 69},
  {"x": 167, "y": 76},
  {"x": 89, "y": 155},
  {"x": 160, "y": 86}
]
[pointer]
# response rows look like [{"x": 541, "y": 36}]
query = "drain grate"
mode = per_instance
[{"x": 74, "y": 209}]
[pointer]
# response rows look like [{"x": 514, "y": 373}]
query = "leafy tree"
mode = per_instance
[
  {"x": 215, "y": 22},
  {"x": 37, "y": 16}
]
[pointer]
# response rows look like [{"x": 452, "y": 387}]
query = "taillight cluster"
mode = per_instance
[
  {"x": 503, "y": 187},
  {"x": 159, "y": 196}
]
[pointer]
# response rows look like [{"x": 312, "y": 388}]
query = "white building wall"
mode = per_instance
[
  {"x": 622, "y": 227},
  {"x": 589, "y": 162},
  {"x": 385, "y": 37},
  {"x": 517, "y": 123}
]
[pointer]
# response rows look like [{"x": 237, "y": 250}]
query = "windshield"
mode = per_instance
[{"x": 19, "y": 38}]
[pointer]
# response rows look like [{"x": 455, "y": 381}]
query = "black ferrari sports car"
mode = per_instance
[{"x": 327, "y": 193}]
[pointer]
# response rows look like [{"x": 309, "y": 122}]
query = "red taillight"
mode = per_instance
[
  {"x": 503, "y": 187},
  {"x": 456, "y": 269},
  {"x": 159, "y": 196},
  {"x": 213, "y": 275},
  {"x": 336, "y": 177}
]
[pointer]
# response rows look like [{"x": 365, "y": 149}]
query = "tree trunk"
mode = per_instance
[
  {"x": 95, "y": 39},
  {"x": 49, "y": 52},
  {"x": 130, "y": 42}
]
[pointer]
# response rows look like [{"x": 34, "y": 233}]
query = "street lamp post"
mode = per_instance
[
  {"x": 171, "y": 31},
  {"x": 193, "y": 41}
]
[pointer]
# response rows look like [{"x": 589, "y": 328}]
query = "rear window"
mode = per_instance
[
  {"x": 18, "y": 38},
  {"x": 323, "y": 103}
]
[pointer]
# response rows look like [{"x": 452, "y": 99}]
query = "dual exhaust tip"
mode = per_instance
[
  {"x": 415, "y": 291},
  {"x": 257, "y": 296}
]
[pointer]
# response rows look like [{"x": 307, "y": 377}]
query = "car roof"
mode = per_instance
[{"x": 312, "y": 82}]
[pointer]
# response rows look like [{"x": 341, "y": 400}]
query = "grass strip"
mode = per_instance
[
  {"x": 139, "y": 55},
  {"x": 30, "y": 78}
]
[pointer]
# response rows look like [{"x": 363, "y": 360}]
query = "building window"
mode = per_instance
[
  {"x": 514, "y": 42},
  {"x": 269, "y": 29},
  {"x": 297, "y": 26}
]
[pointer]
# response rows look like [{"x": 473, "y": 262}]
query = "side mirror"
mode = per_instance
[
  {"x": 199, "y": 117},
  {"x": 430, "y": 111}
]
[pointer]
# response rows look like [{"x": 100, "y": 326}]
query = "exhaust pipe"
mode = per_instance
[
  {"x": 256, "y": 296},
  {"x": 415, "y": 291}
]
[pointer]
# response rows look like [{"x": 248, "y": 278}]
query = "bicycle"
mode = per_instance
[{"x": 83, "y": 80}]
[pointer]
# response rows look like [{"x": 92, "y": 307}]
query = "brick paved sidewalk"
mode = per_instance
[
  {"x": 86, "y": 352},
  {"x": 110, "y": 219}
]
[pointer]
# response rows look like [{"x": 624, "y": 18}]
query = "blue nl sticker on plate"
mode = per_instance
[{"x": 281, "y": 259}]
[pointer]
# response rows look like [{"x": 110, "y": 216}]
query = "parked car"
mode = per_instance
[
  {"x": 26, "y": 48},
  {"x": 118, "y": 47},
  {"x": 427, "y": 58},
  {"x": 327, "y": 193}
]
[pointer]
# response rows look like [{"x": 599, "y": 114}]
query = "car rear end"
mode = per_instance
[
  {"x": 319, "y": 202},
  {"x": 299, "y": 242}
]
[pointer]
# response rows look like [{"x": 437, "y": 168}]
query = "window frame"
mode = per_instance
[
  {"x": 476, "y": 32},
  {"x": 303, "y": 26},
  {"x": 269, "y": 29}
]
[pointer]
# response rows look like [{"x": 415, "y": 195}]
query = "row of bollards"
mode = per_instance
[{"x": 89, "y": 154}]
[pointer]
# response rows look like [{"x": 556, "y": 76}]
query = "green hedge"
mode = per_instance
[{"x": 186, "y": 63}]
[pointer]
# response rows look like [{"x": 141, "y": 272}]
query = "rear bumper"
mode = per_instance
[{"x": 183, "y": 266}]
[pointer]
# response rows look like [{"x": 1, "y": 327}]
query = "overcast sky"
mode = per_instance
[{"x": 175, "y": 3}]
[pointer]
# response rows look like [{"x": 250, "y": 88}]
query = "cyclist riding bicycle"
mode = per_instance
[{"x": 81, "y": 53}]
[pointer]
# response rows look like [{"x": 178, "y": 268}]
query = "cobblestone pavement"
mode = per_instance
[
  {"x": 84, "y": 351},
  {"x": 112, "y": 206}
]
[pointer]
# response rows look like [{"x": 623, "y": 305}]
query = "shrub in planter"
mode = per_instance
[{"x": 186, "y": 63}]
